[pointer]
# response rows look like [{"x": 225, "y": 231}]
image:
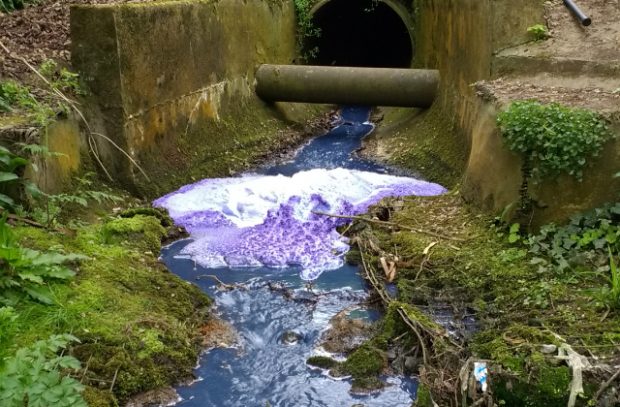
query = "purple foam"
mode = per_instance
[{"x": 268, "y": 221}]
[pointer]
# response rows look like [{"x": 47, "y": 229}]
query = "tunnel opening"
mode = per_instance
[{"x": 362, "y": 33}]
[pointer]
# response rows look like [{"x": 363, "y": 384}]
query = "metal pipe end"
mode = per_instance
[{"x": 586, "y": 21}]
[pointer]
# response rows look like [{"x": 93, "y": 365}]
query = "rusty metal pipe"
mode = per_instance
[
  {"x": 347, "y": 85},
  {"x": 581, "y": 16}
]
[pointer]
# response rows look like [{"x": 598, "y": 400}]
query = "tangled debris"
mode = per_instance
[{"x": 562, "y": 351}]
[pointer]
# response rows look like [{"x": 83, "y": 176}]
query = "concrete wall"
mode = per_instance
[
  {"x": 172, "y": 84},
  {"x": 51, "y": 172},
  {"x": 493, "y": 176},
  {"x": 461, "y": 39}
]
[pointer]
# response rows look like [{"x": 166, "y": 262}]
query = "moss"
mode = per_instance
[
  {"x": 548, "y": 387},
  {"x": 434, "y": 147},
  {"x": 165, "y": 219},
  {"x": 322, "y": 361},
  {"x": 516, "y": 306},
  {"x": 244, "y": 133},
  {"x": 135, "y": 320},
  {"x": 144, "y": 230},
  {"x": 364, "y": 362},
  {"x": 423, "y": 397},
  {"x": 366, "y": 384},
  {"x": 99, "y": 398}
]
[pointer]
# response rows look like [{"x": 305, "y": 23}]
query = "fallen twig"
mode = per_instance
[
  {"x": 20, "y": 219},
  {"x": 386, "y": 223},
  {"x": 411, "y": 325},
  {"x": 606, "y": 384},
  {"x": 219, "y": 282}
]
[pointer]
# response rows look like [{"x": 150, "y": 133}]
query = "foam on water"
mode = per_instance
[{"x": 266, "y": 220}]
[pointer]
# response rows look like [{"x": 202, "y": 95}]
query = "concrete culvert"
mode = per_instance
[{"x": 364, "y": 33}]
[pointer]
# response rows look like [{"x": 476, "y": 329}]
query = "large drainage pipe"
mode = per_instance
[{"x": 347, "y": 85}]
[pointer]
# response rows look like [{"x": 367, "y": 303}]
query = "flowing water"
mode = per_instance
[{"x": 269, "y": 231}]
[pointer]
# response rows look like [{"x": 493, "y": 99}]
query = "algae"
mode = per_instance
[{"x": 323, "y": 362}]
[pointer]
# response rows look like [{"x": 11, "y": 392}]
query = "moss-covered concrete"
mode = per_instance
[
  {"x": 52, "y": 170},
  {"x": 172, "y": 84},
  {"x": 493, "y": 176},
  {"x": 457, "y": 37}
]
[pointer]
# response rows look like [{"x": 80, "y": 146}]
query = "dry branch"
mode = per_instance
[{"x": 394, "y": 224}]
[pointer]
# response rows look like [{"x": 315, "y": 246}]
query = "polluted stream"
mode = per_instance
[{"x": 267, "y": 232}]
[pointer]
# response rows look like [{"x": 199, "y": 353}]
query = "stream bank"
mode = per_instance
[{"x": 532, "y": 317}]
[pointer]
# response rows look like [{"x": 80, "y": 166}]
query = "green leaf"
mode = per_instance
[
  {"x": 7, "y": 176},
  {"x": 39, "y": 293},
  {"x": 6, "y": 201}
]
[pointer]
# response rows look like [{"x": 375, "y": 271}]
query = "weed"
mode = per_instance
[
  {"x": 610, "y": 295},
  {"x": 61, "y": 78},
  {"x": 34, "y": 374},
  {"x": 28, "y": 272},
  {"x": 553, "y": 139},
  {"x": 10, "y": 168},
  {"x": 539, "y": 32},
  {"x": 8, "y": 328},
  {"x": 305, "y": 27},
  {"x": 6, "y": 6},
  {"x": 52, "y": 206},
  {"x": 16, "y": 96}
]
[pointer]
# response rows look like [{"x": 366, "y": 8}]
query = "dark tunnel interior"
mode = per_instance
[{"x": 364, "y": 33}]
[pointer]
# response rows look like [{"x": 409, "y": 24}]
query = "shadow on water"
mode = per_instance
[
  {"x": 334, "y": 149},
  {"x": 262, "y": 369}
]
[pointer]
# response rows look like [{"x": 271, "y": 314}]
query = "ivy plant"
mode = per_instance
[
  {"x": 553, "y": 139},
  {"x": 305, "y": 27}
]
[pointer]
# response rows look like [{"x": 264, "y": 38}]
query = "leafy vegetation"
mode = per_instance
[
  {"x": 61, "y": 78},
  {"x": 528, "y": 293},
  {"x": 53, "y": 206},
  {"x": 10, "y": 168},
  {"x": 583, "y": 242},
  {"x": 553, "y": 139},
  {"x": 29, "y": 272},
  {"x": 17, "y": 97},
  {"x": 33, "y": 376},
  {"x": 610, "y": 295},
  {"x": 538, "y": 31},
  {"x": 305, "y": 27},
  {"x": 6, "y": 6},
  {"x": 41, "y": 106},
  {"x": 136, "y": 321}
]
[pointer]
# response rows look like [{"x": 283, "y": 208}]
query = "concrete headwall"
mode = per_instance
[
  {"x": 459, "y": 38},
  {"x": 172, "y": 84},
  {"x": 457, "y": 141}
]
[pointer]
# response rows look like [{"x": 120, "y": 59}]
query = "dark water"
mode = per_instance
[
  {"x": 263, "y": 370},
  {"x": 333, "y": 150}
]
